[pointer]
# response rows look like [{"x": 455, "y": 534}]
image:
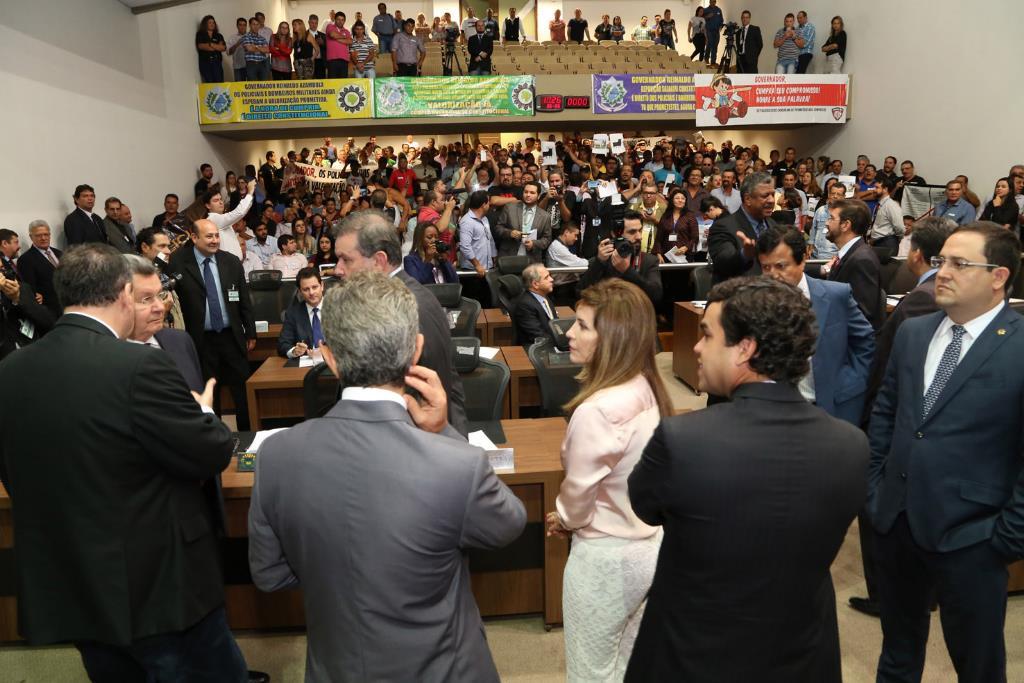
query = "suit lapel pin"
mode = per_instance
[{"x": 1001, "y": 331}]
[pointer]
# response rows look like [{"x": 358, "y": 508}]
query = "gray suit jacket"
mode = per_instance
[
  {"x": 512, "y": 219},
  {"x": 371, "y": 517}
]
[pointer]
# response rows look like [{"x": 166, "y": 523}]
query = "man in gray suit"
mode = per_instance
[
  {"x": 524, "y": 228},
  {"x": 371, "y": 509},
  {"x": 366, "y": 240}
]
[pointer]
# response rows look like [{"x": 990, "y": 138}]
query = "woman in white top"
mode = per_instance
[{"x": 614, "y": 554}]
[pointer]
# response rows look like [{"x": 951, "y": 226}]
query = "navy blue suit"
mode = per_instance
[
  {"x": 295, "y": 328},
  {"x": 423, "y": 272},
  {"x": 842, "y": 358},
  {"x": 947, "y": 499}
]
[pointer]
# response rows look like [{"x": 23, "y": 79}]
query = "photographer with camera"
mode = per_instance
[
  {"x": 621, "y": 257},
  {"x": 427, "y": 261},
  {"x": 557, "y": 202}
]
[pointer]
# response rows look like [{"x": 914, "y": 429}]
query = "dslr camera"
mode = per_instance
[
  {"x": 442, "y": 247},
  {"x": 623, "y": 247}
]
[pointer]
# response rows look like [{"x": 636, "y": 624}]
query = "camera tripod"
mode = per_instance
[
  {"x": 728, "y": 53},
  {"x": 450, "y": 55}
]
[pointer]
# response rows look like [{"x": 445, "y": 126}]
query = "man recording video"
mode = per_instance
[{"x": 621, "y": 257}]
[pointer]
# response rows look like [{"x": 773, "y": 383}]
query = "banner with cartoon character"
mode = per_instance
[
  {"x": 636, "y": 94},
  {"x": 757, "y": 99},
  {"x": 247, "y": 101},
  {"x": 450, "y": 96}
]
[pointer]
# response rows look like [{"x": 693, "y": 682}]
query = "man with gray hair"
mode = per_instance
[
  {"x": 405, "y": 497},
  {"x": 37, "y": 264},
  {"x": 533, "y": 311},
  {"x": 367, "y": 240},
  {"x": 123, "y": 562},
  {"x": 732, "y": 240}
]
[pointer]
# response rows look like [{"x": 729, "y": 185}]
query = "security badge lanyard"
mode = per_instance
[{"x": 233, "y": 294}]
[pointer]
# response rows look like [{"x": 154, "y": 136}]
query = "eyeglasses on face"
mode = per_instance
[{"x": 959, "y": 264}]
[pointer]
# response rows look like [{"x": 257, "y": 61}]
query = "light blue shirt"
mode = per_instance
[
  {"x": 263, "y": 251},
  {"x": 821, "y": 248},
  {"x": 962, "y": 212},
  {"x": 545, "y": 304},
  {"x": 926, "y": 276},
  {"x": 220, "y": 290},
  {"x": 476, "y": 241},
  {"x": 732, "y": 202},
  {"x": 808, "y": 34}
]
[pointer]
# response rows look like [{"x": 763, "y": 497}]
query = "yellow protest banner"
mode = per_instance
[{"x": 249, "y": 101}]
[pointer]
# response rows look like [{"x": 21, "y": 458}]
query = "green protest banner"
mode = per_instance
[{"x": 453, "y": 96}]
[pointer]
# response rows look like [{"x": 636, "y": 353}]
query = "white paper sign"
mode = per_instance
[
  {"x": 605, "y": 190},
  {"x": 616, "y": 199},
  {"x": 483, "y": 155},
  {"x": 600, "y": 145},
  {"x": 672, "y": 256},
  {"x": 548, "y": 157},
  {"x": 618, "y": 143},
  {"x": 850, "y": 182}
]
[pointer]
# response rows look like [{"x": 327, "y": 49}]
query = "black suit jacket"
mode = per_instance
[
  {"x": 182, "y": 351},
  {"x": 861, "y": 270},
  {"x": 191, "y": 292},
  {"x": 114, "y": 537},
  {"x": 919, "y": 301},
  {"x": 37, "y": 271},
  {"x": 727, "y": 259},
  {"x": 647, "y": 277},
  {"x": 295, "y": 328},
  {"x": 752, "y": 48},
  {"x": 530, "y": 320},
  {"x": 957, "y": 472},
  {"x": 437, "y": 350},
  {"x": 475, "y": 45},
  {"x": 78, "y": 229},
  {"x": 708, "y": 478}
]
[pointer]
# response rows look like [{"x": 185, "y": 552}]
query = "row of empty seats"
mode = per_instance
[{"x": 607, "y": 57}]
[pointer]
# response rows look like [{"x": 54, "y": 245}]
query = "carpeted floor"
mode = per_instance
[{"x": 525, "y": 653}]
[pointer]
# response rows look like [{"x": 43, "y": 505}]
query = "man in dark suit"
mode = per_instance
[
  {"x": 82, "y": 225},
  {"x": 732, "y": 240},
  {"x": 37, "y": 264},
  {"x": 856, "y": 264},
  {"x": 748, "y": 45},
  {"x": 846, "y": 343},
  {"x": 367, "y": 241},
  {"x": 708, "y": 477},
  {"x": 117, "y": 233},
  {"x": 214, "y": 298},
  {"x": 533, "y": 311},
  {"x": 925, "y": 243},
  {"x": 523, "y": 227},
  {"x": 302, "y": 331},
  {"x": 380, "y": 455},
  {"x": 634, "y": 266},
  {"x": 480, "y": 46},
  {"x": 945, "y": 489},
  {"x": 118, "y": 557}
]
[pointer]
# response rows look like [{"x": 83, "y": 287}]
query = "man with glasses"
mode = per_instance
[
  {"x": 856, "y": 262},
  {"x": 944, "y": 488}
]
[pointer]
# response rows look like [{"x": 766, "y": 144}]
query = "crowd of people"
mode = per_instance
[
  {"x": 300, "y": 50},
  {"x": 652, "y": 590}
]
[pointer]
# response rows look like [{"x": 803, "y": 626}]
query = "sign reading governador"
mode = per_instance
[
  {"x": 636, "y": 94},
  {"x": 452, "y": 96},
  {"x": 246, "y": 101}
]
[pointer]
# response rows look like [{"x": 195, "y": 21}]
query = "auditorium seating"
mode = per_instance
[{"x": 627, "y": 57}]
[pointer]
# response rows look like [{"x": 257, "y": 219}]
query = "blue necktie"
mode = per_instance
[
  {"x": 212, "y": 300},
  {"x": 318, "y": 333},
  {"x": 950, "y": 359}
]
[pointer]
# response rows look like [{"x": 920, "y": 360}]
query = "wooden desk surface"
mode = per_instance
[
  {"x": 538, "y": 445},
  {"x": 266, "y": 343},
  {"x": 273, "y": 331},
  {"x": 518, "y": 361},
  {"x": 272, "y": 374},
  {"x": 496, "y": 316}
]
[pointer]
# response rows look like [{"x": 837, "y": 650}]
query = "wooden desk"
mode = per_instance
[
  {"x": 499, "y": 325},
  {"x": 685, "y": 334},
  {"x": 529, "y": 590},
  {"x": 266, "y": 343},
  {"x": 523, "y": 388},
  {"x": 274, "y": 391}
]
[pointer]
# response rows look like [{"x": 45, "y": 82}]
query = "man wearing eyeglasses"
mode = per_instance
[{"x": 945, "y": 491}]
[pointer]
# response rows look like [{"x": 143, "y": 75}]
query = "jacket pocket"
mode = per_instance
[{"x": 983, "y": 493}]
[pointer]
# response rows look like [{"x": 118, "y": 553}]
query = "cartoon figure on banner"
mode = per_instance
[{"x": 726, "y": 100}]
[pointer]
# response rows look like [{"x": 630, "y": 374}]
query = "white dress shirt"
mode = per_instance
[
  {"x": 92, "y": 317},
  {"x": 944, "y": 335},
  {"x": 372, "y": 394},
  {"x": 149, "y": 342},
  {"x": 288, "y": 265},
  {"x": 559, "y": 255},
  {"x": 224, "y": 221},
  {"x": 309, "y": 317},
  {"x": 845, "y": 249},
  {"x": 806, "y": 385}
]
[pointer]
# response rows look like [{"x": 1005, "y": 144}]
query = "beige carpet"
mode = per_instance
[{"x": 525, "y": 653}]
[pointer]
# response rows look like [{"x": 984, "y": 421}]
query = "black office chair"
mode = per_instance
[
  {"x": 510, "y": 288},
  {"x": 483, "y": 381},
  {"x": 559, "y": 327},
  {"x": 462, "y": 312},
  {"x": 491, "y": 279},
  {"x": 556, "y": 375},
  {"x": 512, "y": 265},
  {"x": 701, "y": 282},
  {"x": 265, "y": 280},
  {"x": 319, "y": 391}
]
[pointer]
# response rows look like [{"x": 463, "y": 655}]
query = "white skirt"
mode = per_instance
[{"x": 604, "y": 591}]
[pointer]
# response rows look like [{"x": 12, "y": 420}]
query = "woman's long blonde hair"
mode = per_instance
[{"x": 626, "y": 342}]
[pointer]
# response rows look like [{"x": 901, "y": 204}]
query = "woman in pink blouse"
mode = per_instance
[{"x": 613, "y": 557}]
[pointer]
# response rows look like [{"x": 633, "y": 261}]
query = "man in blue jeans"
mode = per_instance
[
  {"x": 807, "y": 32},
  {"x": 384, "y": 28},
  {"x": 713, "y": 21}
]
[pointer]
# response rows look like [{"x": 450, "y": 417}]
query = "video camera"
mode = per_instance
[
  {"x": 451, "y": 35},
  {"x": 730, "y": 29}
]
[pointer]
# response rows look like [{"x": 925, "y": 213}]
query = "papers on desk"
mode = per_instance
[
  {"x": 489, "y": 352},
  {"x": 306, "y": 362},
  {"x": 502, "y": 459},
  {"x": 699, "y": 304},
  {"x": 262, "y": 436},
  {"x": 893, "y": 299},
  {"x": 262, "y": 326}
]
